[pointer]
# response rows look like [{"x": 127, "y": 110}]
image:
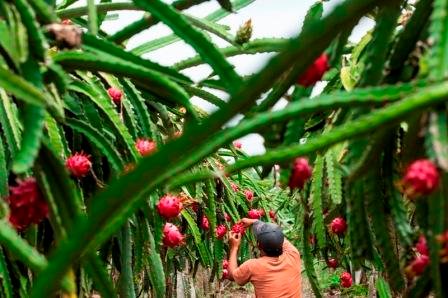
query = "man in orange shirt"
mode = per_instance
[{"x": 276, "y": 274}]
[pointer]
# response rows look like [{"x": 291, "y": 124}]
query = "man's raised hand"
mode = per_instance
[
  {"x": 234, "y": 240},
  {"x": 248, "y": 222}
]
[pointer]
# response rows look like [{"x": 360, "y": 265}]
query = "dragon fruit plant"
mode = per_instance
[{"x": 114, "y": 181}]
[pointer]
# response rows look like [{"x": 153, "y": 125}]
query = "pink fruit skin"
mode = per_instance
[
  {"x": 115, "y": 94},
  {"x": 78, "y": 165},
  {"x": 315, "y": 72},
  {"x": 26, "y": 204},
  {"x": 169, "y": 206},
  {"x": 249, "y": 195},
  {"x": 171, "y": 235},
  {"x": 346, "y": 280},
  {"x": 332, "y": 263},
  {"x": 254, "y": 214},
  {"x": 239, "y": 228},
  {"x": 220, "y": 231},
  {"x": 421, "y": 178},
  {"x": 338, "y": 226},
  {"x": 225, "y": 264},
  {"x": 145, "y": 147},
  {"x": 225, "y": 273},
  {"x": 301, "y": 172},
  {"x": 419, "y": 264},
  {"x": 234, "y": 187},
  {"x": 227, "y": 217},
  {"x": 422, "y": 246},
  {"x": 237, "y": 144},
  {"x": 272, "y": 214},
  {"x": 205, "y": 224}
]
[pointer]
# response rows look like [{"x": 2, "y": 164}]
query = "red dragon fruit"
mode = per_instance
[
  {"x": 314, "y": 72},
  {"x": 145, "y": 147},
  {"x": 421, "y": 178},
  {"x": 169, "y": 206},
  {"x": 234, "y": 187},
  {"x": 417, "y": 266},
  {"x": 115, "y": 94},
  {"x": 338, "y": 226},
  {"x": 172, "y": 237},
  {"x": 249, "y": 195},
  {"x": 237, "y": 144},
  {"x": 254, "y": 214},
  {"x": 422, "y": 246},
  {"x": 227, "y": 217},
  {"x": 225, "y": 264},
  {"x": 26, "y": 204},
  {"x": 300, "y": 173},
  {"x": 346, "y": 280},
  {"x": 332, "y": 263},
  {"x": 78, "y": 164},
  {"x": 225, "y": 273},
  {"x": 220, "y": 231},
  {"x": 205, "y": 224},
  {"x": 66, "y": 22},
  {"x": 239, "y": 228}
]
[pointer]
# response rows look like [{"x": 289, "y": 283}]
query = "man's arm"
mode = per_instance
[
  {"x": 234, "y": 241},
  {"x": 242, "y": 274}
]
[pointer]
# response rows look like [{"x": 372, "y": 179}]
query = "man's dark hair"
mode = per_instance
[
  {"x": 269, "y": 237},
  {"x": 272, "y": 252}
]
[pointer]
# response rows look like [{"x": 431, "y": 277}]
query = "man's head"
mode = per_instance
[{"x": 269, "y": 237}]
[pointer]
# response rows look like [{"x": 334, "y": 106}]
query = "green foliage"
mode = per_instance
[
  {"x": 196, "y": 39},
  {"x": 20, "y": 248},
  {"x": 3, "y": 172},
  {"x": 383, "y": 288},
  {"x": 34, "y": 121},
  {"x": 308, "y": 258},
  {"x": 6, "y": 280},
  {"x": 379, "y": 226},
  {"x": 437, "y": 56},
  {"x": 316, "y": 201}
]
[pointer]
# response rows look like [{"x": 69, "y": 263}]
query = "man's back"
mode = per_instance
[{"x": 273, "y": 276}]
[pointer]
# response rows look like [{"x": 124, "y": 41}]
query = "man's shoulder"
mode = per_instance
[{"x": 253, "y": 264}]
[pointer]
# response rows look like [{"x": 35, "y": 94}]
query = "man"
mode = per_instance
[{"x": 276, "y": 274}]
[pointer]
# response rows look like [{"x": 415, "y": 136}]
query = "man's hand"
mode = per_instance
[
  {"x": 248, "y": 222},
  {"x": 234, "y": 240}
]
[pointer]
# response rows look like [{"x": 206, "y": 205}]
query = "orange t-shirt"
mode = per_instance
[{"x": 273, "y": 277}]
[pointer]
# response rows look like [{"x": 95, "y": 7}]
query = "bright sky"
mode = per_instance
[{"x": 270, "y": 18}]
